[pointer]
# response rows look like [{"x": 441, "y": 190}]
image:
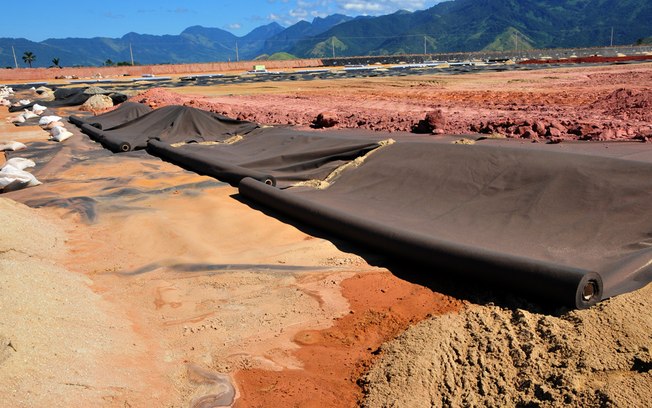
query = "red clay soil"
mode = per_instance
[
  {"x": 590, "y": 60},
  {"x": 31, "y": 74},
  {"x": 382, "y": 306},
  {"x": 589, "y": 103}
]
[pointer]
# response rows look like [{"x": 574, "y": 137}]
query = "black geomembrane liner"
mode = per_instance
[
  {"x": 171, "y": 124},
  {"x": 560, "y": 225},
  {"x": 569, "y": 223}
]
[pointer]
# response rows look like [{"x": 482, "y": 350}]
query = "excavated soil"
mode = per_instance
[{"x": 608, "y": 103}]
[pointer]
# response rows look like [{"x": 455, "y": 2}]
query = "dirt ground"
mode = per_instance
[
  {"x": 126, "y": 281},
  {"x": 596, "y": 103}
]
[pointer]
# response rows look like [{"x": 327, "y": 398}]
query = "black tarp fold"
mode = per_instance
[
  {"x": 567, "y": 285},
  {"x": 569, "y": 223},
  {"x": 171, "y": 124},
  {"x": 557, "y": 225},
  {"x": 274, "y": 155},
  {"x": 125, "y": 112}
]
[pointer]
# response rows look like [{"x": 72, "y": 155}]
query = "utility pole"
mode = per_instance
[
  {"x": 131, "y": 52},
  {"x": 425, "y": 50},
  {"x": 237, "y": 53},
  {"x": 333, "y": 46},
  {"x": 14, "y": 52},
  {"x": 612, "y": 36},
  {"x": 516, "y": 40}
]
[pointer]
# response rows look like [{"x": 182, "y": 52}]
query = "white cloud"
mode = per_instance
[
  {"x": 383, "y": 6},
  {"x": 233, "y": 26},
  {"x": 308, "y": 9},
  {"x": 364, "y": 7}
]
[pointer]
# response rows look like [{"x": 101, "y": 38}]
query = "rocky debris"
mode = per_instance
[
  {"x": 434, "y": 122},
  {"x": 550, "y": 116},
  {"x": 626, "y": 104},
  {"x": 555, "y": 131},
  {"x": 42, "y": 89},
  {"x": 325, "y": 120},
  {"x": 97, "y": 103}
]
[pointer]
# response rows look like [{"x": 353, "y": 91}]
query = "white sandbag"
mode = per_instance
[
  {"x": 38, "y": 109},
  {"x": 12, "y": 146},
  {"x": 24, "y": 101},
  {"x": 60, "y": 133},
  {"x": 29, "y": 114},
  {"x": 51, "y": 125},
  {"x": 19, "y": 163},
  {"x": 63, "y": 136},
  {"x": 18, "y": 119},
  {"x": 47, "y": 119},
  {"x": 6, "y": 91},
  {"x": 5, "y": 102},
  {"x": 12, "y": 179}
]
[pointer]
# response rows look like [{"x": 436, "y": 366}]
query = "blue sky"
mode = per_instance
[{"x": 38, "y": 20}]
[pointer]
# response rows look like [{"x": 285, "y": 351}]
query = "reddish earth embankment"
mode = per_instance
[
  {"x": 549, "y": 106},
  {"x": 35, "y": 74},
  {"x": 596, "y": 59}
]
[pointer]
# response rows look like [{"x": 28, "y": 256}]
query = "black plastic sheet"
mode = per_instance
[
  {"x": 570, "y": 228},
  {"x": 568, "y": 223},
  {"x": 274, "y": 155},
  {"x": 171, "y": 124},
  {"x": 124, "y": 113}
]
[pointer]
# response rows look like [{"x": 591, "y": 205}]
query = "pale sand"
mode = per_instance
[
  {"x": 111, "y": 300},
  {"x": 492, "y": 356}
]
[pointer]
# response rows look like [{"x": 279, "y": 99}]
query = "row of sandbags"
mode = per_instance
[
  {"x": 13, "y": 175},
  {"x": 31, "y": 112}
]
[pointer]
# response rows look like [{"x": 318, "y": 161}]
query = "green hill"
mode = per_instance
[
  {"x": 473, "y": 25},
  {"x": 455, "y": 25}
]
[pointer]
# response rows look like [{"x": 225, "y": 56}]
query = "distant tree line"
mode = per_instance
[{"x": 110, "y": 63}]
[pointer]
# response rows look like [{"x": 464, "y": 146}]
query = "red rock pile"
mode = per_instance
[
  {"x": 627, "y": 104},
  {"x": 325, "y": 120},
  {"x": 623, "y": 114},
  {"x": 434, "y": 122}
]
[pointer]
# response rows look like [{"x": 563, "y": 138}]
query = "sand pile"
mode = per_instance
[
  {"x": 490, "y": 356},
  {"x": 58, "y": 343}
]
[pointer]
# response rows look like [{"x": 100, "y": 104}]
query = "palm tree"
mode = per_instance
[
  {"x": 55, "y": 62},
  {"x": 29, "y": 57}
]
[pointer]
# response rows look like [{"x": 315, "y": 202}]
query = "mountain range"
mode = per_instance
[{"x": 456, "y": 25}]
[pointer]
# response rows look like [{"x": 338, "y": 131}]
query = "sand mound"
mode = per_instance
[
  {"x": 57, "y": 341},
  {"x": 23, "y": 233},
  {"x": 490, "y": 356}
]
